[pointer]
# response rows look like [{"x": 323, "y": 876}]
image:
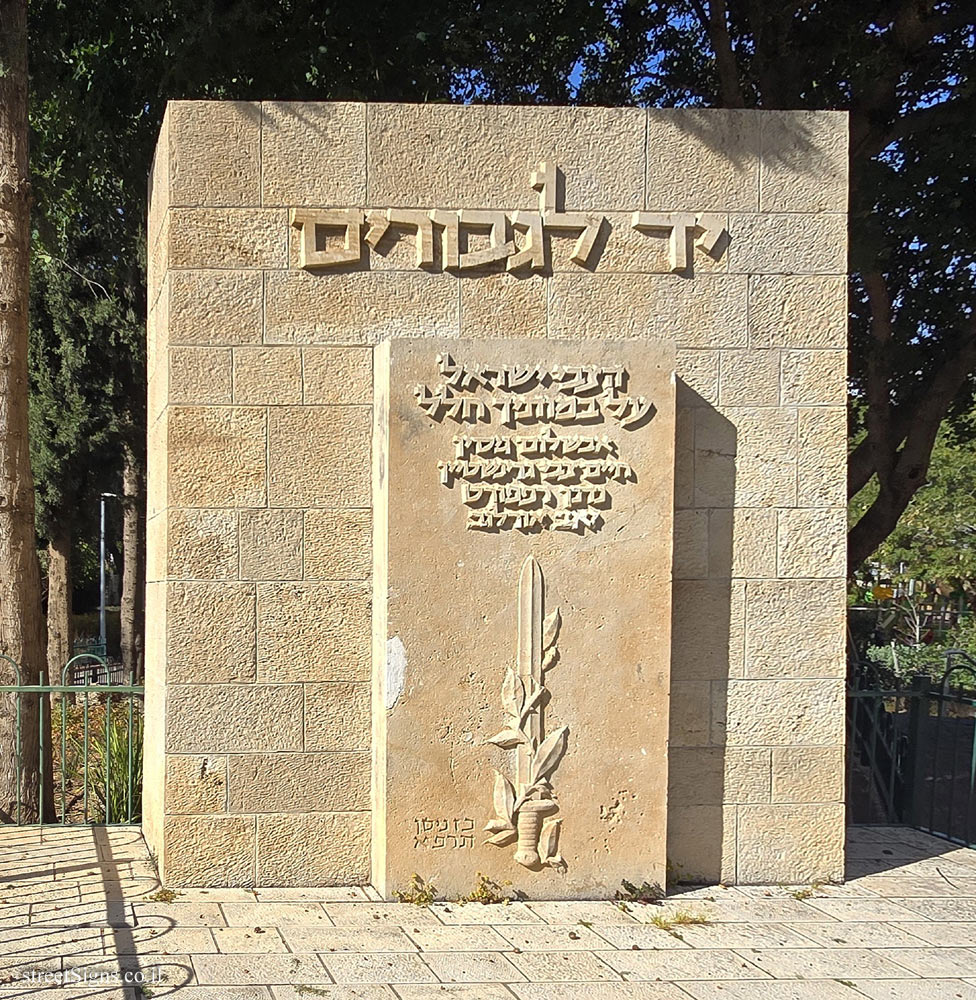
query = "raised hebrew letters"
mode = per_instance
[
  {"x": 517, "y": 240},
  {"x": 526, "y": 476}
]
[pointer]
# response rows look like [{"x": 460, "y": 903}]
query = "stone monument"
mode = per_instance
[{"x": 496, "y": 496}]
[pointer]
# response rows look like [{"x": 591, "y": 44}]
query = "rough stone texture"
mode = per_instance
[
  {"x": 271, "y": 544},
  {"x": 294, "y": 137},
  {"x": 260, "y": 404},
  {"x": 215, "y": 153},
  {"x": 267, "y": 375},
  {"x": 319, "y": 456},
  {"x": 298, "y": 782},
  {"x": 338, "y": 544},
  {"x": 313, "y": 632},
  {"x": 790, "y": 843},
  {"x": 209, "y": 851},
  {"x": 314, "y": 849},
  {"x": 210, "y": 632},
  {"x": 217, "y": 456},
  {"x": 439, "y": 700}
]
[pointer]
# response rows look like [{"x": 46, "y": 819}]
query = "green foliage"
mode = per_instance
[
  {"x": 907, "y": 655},
  {"x": 108, "y": 768},
  {"x": 420, "y": 892},
  {"x": 488, "y": 890}
]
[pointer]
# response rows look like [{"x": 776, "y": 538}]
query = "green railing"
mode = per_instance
[
  {"x": 912, "y": 753},
  {"x": 107, "y": 755}
]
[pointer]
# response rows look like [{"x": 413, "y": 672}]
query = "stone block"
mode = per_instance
[
  {"x": 296, "y": 136},
  {"x": 773, "y": 608},
  {"x": 214, "y": 153},
  {"x": 707, "y": 312},
  {"x": 813, "y": 542},
  {"x": 267, "y": 375},
  {"x": 765, "y": 463},
  {"x": 298, "y": 782},
  {"x": 317, "y": 849},
  {"x": 698, "y": 377},
  {"x": 202, "y": 544},
  {"x": 233, "y": 718},
  {"x": 808, "y": 774},
  {"x": 742, "y": 543},
  {"x": 813, "y": 378},
  {"x": 822, "y": 457},
  {"x": 711, "y": 776},
  {"x": 701, "y": 844},
  {"x": 790, "y": 843},
  {"x": 313, "y": 632},
  {"x": 785, "y": 713},
  {"x": 196, "y": 784},
  {"x": 209, "y": 633},
  {"x": 271, "y": 544},
  {"x": 158, "y": 185},
  {"x": 211, "y": 307},
  {"x": 690, "y": 713},
  {"x": 714, "y": 463},
  {"x": 359, "y": 307},
  {"x": 684, "y": 459},
  {"x": 706, "y": 629},
  {"x": 157, "y": 478},
  {"x": 337, "y": 375},
  {"x": 492, "y": 150},
  {"x": 503, "y": 305},
  {"x": 217, "y": 456},
  {"x": 338, "y": 544},
  {"x": 808, "y": 311},
  {"x": 208, "y": 851},
  {"x": 622, "y": 249},
  {"x": 749, "y": 378},
  {"x": 723, "y": 145},
  {"x": 788, "y": 244},
  {"x": 199, "y": 375},
  {"x": 337, "y": 716},
  {"x": 319, "y": 456},
  {"x": 228, "y": 237},
  {"x": 804, "y": 161},
  {"x": 690, "y": 560}
]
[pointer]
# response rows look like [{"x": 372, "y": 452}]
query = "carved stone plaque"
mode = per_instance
[{"x": 522, "y": 496}]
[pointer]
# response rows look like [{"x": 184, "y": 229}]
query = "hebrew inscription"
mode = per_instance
[
  {"x": 520, "y": 239},
  {"x": 443, "y": 834},
  {"x": 525, "y": 476}
]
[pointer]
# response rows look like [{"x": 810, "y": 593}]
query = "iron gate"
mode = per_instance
[
  {"x": 90, "y": 736},
  {"x": 912, "y": 753}
]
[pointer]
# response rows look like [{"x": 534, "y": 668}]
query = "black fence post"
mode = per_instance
[{"x": 918, "y": 709}]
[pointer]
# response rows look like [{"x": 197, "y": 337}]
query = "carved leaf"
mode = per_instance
[
  {"x": 513, "y": 693},
  {"x": 503, "y": 838},
  {"x": 549, "y": 754},
  {"x": 504, "y": 797},
  {"x": 507, "y": 739},
  {"x": 549, "y": 658},
  {"x": 549, "y": 839},
  {"x": 539, "y": 693},
  {"x": 550, "y": 628},
  {"x": 498, "y": 826}
]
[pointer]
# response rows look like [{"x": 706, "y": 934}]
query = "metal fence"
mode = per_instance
[
  {"x": 912, "y": 753},
  {"x": 89, "y": 744}
]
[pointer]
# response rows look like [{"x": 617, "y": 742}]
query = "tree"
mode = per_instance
[{"x": 21, "y": 634}]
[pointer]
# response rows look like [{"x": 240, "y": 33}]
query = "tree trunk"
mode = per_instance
[
  {"x": 132, "y": 612},
  {"x": 60, "y": 633},
  {"x": 21, "y": 626}
]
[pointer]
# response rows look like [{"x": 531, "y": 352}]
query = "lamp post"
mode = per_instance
[{"x": 102, "y": 635}]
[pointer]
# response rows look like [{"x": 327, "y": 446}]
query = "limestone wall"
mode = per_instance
[{"x": 258, "y": 599}]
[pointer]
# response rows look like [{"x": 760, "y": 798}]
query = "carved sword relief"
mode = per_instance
[{"x": 525, "y": 810}]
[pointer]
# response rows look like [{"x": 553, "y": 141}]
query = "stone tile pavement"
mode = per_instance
[{"x": 81, "y": 905}]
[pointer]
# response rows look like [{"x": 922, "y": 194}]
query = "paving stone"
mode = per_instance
[
  {"x": 37, "y": 940},
  {"x": 473, "y": 967},
  {"x": 640, "y": 937},
  {"x": 162, "y": 971},
  {"x": 258, "y": 914},
  {"x": 598, "y": 991},
  {"x": 248, "y": 970},
  {"x": 886, "y": 885},
  {"x": 933, "y": 962},
  {"x": 863, "y": 909},
  {"x": 225, "y": 993},
  {"x": 364, "y": 914},
  {"x": 452, "y": 991},
  {"x": 179, "y": 914},
  {"x": 467, "y": 938},
  {"x": 915, "y": 989},
  {"x": 824, "y": 963},
  {"x": 250, "y": 940},
  {"x": 943, "y": 933},
  {"x": 743, "y": 935},
  {"x": 158, "y": 940},
  {"x": 476, "y": 913},
  {"x": 679, "y": 965},
  {"x": 111, "y": 914},
  {"x": 779, "y": 990},
  {"x": 939, "y": 909},
  {"x": 861, "y": 934},
  {"x": 322, "y": 895},
  {"x": 309, "y": 991},
  {"x": 574, "y": 937},
  {"x": 563, "y": 966},
  {"x": 300, "y": 938},
  {"x": 742, "y": 910},
  {"x": 571, "y": 912},
  {"x": 378, "y": 969}
]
